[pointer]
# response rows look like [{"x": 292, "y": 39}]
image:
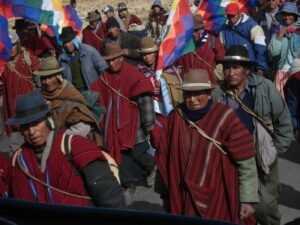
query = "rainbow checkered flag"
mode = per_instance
[
  {"x": 213, "y": 11},
  {"x": 5, "y": 43},
  {"x": 177, "y": 40},
  {"x": 40, "y": 11}
]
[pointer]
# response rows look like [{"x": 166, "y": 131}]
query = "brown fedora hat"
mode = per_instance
[
  {"x": 49, "y": 66},
  {"x": 147, "y": 45},
  {"x": 112, "y": 51},
  {"x": 196, "y": 80},
  {"x": 67, "y": 34},
  {"x": 92, "y": 16}
]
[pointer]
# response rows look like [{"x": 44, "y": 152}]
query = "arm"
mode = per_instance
[
  {"x": 281, "y": 120},
  {"x": 102, "y": 185},
  {"x": 259, "y": 46},
  {"x": 145, "y": 103},
  {"x": 98, "y": 62},
  {"x": 275, "y": 45}
]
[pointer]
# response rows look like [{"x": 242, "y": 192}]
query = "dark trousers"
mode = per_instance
[{"x": 135, "y": 162}]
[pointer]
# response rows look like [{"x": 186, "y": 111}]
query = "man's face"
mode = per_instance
[
  {"x": 149, "y": 58},
  {"x": 69, "y": 47},
  {"x": 288, "y": 18},
  {"x": 35, "y": 133},
  {"x": 235, "y": 74},
  {"x": 156, "y": 9},
  {"x": 50, "y": 83},
  {"x": 94, "y": 23},
  {"x": 115, "y": 65},
  {"x": 109, "y": 14},
  {"x": 122, "y": 14},
  {"x": 195, "y": 100},
  {"x": 272, "y": 4},
  {"x": 113, "y": 32},
  {"x": 197, "y": 34},
  {"x": 233, "y": 19}
]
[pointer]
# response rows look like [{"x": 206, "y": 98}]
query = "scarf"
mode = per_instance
[{"x": 196, "y": 115}]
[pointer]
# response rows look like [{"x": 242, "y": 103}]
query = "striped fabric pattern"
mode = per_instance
[
  {"x": 213, "y": 11},
  {"x": 177, "y": 38},
  {"x": 201, "y": 180}
]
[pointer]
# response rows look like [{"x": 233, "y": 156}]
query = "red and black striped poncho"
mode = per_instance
[{"x": 201, "y": 180}]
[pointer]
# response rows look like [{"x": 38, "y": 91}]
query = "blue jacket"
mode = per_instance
[
  {"x": 91, "y": 63},
  {"x": 248, "y": 33}
]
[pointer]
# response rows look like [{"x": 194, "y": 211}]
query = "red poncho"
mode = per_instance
[
  {"x": 201, "y": 180},
  {"x": 61, "y": 172},
  {"x": 94, "y": 39},
  {"x": 17, "y": 83},
  {"x": 120, "y": 121}
]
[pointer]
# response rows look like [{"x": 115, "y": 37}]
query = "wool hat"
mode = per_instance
[
  {"x": 147, "y": 46},
  {"x": 13, "y": 36},
  {"x": 30, "y": 107},
  {"x": 198, "y": 22},
  {"x": 92, "y": 16},
  {"x": 107, "y": 9},
  {"x": 196, "y": 80},
  {"x": 289, "y": 7},
  {"x": 112, "y": 51},
  {"x": 67, "y": 34},
  {"x": 237, "y": 53},
  {"x": 232, "y": 9},
  {"x": 122, "y": 6},
  {"x": 295, "y": 65},
  {"x": 157, "y": 3},
  {"x": 112, "y": 22},
  {"x": 49, "y": 66}
]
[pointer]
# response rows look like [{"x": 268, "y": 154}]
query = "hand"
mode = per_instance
[
  {"x": 246, "y": 210},
  {"x": 281, "y": 32}
]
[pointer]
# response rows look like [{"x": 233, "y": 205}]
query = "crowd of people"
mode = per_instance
[{"x": 83, "y": 115}]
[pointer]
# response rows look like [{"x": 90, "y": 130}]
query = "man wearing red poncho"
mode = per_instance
[{"x": 206, "y": 158}]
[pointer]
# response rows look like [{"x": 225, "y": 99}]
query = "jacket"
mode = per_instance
[
  {"x": 270, "y": 106},
  {"x": 248, "y": 33},
  {"x": 92, "y": 64},
  {"x": 284, "y": 50}
]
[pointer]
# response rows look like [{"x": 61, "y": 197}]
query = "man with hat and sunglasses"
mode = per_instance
[
  {"x": 82, "y": 63},
  {"x": 126, "y": 17},
  {"x": 206, "y": 157},
  {"x": 127, "y": 96},
  {"x": 265, "y": 114},
  {"x": 56, "y": 168},
  {"x": 94, "y": 33}
]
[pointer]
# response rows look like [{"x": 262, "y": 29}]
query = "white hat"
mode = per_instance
[{"x": 295, "y": 65}]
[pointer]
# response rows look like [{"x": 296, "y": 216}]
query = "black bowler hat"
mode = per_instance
[
  {"x": 67, "y": 34},
  {"x": 237, "y": 53},
  {"x": 30, "y": 107}
]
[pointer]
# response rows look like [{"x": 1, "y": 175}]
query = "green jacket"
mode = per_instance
[{"x": 270, "y": 106}]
